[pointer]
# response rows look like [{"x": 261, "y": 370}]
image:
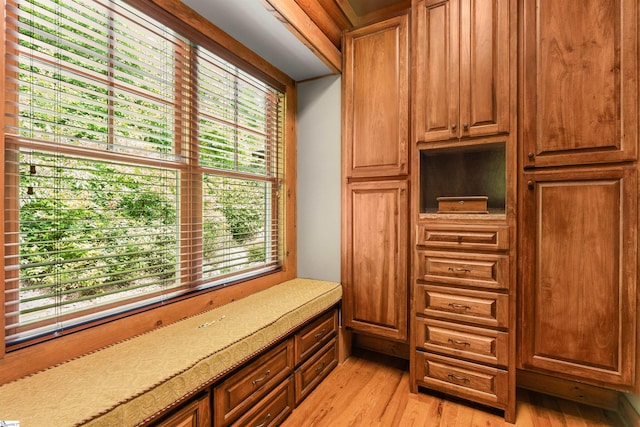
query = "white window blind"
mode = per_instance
[{"x": 139, "y": 166}]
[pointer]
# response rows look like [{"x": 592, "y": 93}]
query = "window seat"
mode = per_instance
[{"x": 128, "y": 382}]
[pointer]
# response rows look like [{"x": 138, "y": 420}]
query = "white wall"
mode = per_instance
[{"x": 319, "y": 179}]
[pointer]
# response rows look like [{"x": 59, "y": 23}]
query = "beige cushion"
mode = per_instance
[{"x": 125, "y": 384}]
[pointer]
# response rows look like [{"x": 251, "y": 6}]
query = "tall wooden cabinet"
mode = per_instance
[
  {"x": 578, "y": 191},
  {"x": 463, "y": 269},
  {"x": 533, "y": 105},
  {"x": 375, "y": 179}
]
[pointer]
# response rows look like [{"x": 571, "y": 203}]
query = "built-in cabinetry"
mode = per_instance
[
  {"x": 578, "y": 212},
  {"x": 462, "y": 66},
  {"x": 265, "y": 390},
  {"x": 375, "y": 211},
  {"x": 463, "y": 200},
  {"x": 530, "y": 107}
]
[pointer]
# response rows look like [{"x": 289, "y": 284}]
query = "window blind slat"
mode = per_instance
[{"x": 111, "y": 119}]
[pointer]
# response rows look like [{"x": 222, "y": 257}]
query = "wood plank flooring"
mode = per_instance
[{"x": 373, "y": 390}]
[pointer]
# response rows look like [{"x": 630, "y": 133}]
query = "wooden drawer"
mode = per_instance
[
  {"x": 315, "y": 369},
  {"x": 464, "y": 379},
  {"x": 463, "y": 305},
  {"x": 196, "y": 413},
  {"x": 314, "y": 335},
  {"x": 478, "y": 270},
  {"x": 245, "y": 387},
  {"x": 461, "y": 236},
  {"x": 271, "y": 410},
  {"x": 477, "y": 344}
]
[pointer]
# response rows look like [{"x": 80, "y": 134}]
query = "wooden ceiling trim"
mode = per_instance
[
  {"x": 324, "y": 20},
  {"x": 348, "y": 10},
  {"x": 336, "y": 13},
  {"x": 385, "y": 12},
  {"x": 307, "y": 31}
]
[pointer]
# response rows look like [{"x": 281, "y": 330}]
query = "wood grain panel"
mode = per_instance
[
  {"x": 375, "y": 299},
  {"x": 484, "y": 67},
  {"x": 580, "y": 80},
  {"x": 464, "y": 51},
  {"x": 436, "y": 80},
  {"x": 579, "y": 291},
  {"x": 376, "y": 85}
]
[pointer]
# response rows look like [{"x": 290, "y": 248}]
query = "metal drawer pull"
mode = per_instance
[
  {"x": 321, "y": 367},
  {"x": 456, "y": 342},
  {"x": 459, "y": 270},
  {"x": 319, "y": 334},
  {"x": 459, "y": 306},
  {"x": 262, "y": 378},
  {"x": 458, "y": 378},
  {"x": 266, "y": 421}
]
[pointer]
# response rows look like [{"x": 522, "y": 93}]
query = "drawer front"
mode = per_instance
[
  {"x": 271, "y": 410},
  {"x": 476, "y": 344},
  {"x": 469, "y": 380},
  {"x": 315, "y": 369},
  {"x": 245, "y": 387},
  {"x": 478, "y": 270},
  {"x": 313, "y": 336},
  {"x": 463, "y": 305},
  {"x": 459, "y": 236}
]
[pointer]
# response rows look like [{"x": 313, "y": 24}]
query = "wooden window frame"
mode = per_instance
[{"x": 27, "y": 360}]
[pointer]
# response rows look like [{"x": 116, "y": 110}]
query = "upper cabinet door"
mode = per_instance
[
  {"x": 463, "y": 65},
  {"x": 580, "y": 81},
  {"x": 376, "y": 99},
  {"x": 484, "y": 67}
]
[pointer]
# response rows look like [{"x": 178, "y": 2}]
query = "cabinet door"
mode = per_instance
[
  {"x": 437, "y": 70},
  {"x": 463, "y": 63},
  {"x": 376, "y": 99},
  {"x": 580, "y": 81},
  {"x": 578, "y": 296},
  {"x": 375, "y": 285},
  {"x": 484, "y": 67}
]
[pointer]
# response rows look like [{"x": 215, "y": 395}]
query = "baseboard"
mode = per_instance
[
  {"x": 381, "y": 345},
  {"x": 570, "y": 390},
  {"x": 628, "y": 413}
]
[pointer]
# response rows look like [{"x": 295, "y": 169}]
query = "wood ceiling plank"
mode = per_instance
[{"x": 324, "y": 20}]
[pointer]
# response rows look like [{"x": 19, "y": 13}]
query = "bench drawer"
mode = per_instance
[
  {"x": 463, "y": 305},
  {"x": 462, "y": 236},
  {"x": 464, "y": 379},
  {"x": 315, "y": 335},
  {"x": 476, "y": 344},
  {"x": 315, "y": 369},
  {"x": 272, "y": 410},
  {"x": 465, "y": 269},
  {"x": 244, "y": 388}
]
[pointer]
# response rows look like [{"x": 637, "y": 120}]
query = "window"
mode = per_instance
[{"x": 138, "y": 166}]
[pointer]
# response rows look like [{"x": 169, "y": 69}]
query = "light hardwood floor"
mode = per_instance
[{"x": 373, "y": 390}]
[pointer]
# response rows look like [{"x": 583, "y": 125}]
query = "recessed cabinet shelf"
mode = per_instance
[{"x": 463, "y": 172}]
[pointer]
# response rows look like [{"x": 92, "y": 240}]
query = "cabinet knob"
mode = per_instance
[
  {"x": 465, "y": 126},
  {"x": 454, "y": 127},
  {"x": 530, "y": 156},
  {"x": 530, "y": 185}
]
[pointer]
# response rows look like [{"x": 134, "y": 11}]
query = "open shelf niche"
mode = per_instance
[{"x": 464, "y": 171}]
